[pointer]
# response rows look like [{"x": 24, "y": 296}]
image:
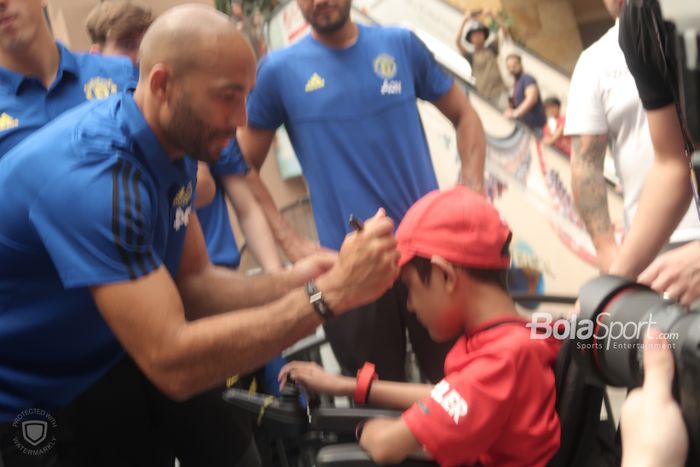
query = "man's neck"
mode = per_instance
[
  {"x": 39, "y": 58},
  {"x": 150, "y": 114},
  {"x": 344, "y": 37}
]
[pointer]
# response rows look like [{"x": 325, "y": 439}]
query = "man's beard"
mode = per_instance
[
  {"x": 192, "y": 134},
  {"x": 333, "y": 27},
  {"x": 18, "y": 42}
]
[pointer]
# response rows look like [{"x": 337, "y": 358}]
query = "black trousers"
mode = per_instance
[
  {"x": 377, "y": 333},
  {"x": 124, "y": 421}
]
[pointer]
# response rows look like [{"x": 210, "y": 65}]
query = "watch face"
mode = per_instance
[{"x": 316, "y": 300}]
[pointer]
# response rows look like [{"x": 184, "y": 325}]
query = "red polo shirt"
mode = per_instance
[{"x": 496, "y": 404}]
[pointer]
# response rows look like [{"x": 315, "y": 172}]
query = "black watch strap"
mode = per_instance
[{"x": 316, "y": 300}]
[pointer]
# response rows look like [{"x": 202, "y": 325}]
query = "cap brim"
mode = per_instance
[{"x": 406, "y": 256}]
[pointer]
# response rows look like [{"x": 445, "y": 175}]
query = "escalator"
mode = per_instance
[{"x": 529, "y": 184}]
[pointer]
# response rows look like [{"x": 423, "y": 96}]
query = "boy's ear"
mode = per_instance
[{"x": 448, "y": 270}]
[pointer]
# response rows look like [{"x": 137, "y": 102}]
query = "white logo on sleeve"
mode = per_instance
[
  {"x": 182, "y": 217},
  {"x": 450, "y": 400}
]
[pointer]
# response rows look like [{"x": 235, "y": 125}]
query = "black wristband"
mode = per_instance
[{"x": 316, "y": 300}]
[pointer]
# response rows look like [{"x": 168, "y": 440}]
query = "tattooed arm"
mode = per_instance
[{"x": 591, "y": 196}]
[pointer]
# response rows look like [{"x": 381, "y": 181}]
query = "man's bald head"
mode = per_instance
[
  {"x": 196, "y": 71},
  {"x": 191, "y": 37}
]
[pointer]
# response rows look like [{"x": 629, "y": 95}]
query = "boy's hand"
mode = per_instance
[{"x": 313, "y": 378}]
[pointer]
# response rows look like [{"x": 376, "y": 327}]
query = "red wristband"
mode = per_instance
[{"x": 364, "y": 379}]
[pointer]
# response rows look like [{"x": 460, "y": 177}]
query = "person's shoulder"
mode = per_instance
[
  {"x": 388, "y": 31},
  {"x": 59, "y": 135},
  {"x": 596, "y": 60},
  {"x": 526, "y": 351},
  {"x": 277, "y": 61},
  {"x": 84, "y": 145},
  {"x": 606, "y": 45},
  {"x": 528, "y": 79},
  {"x": 101, "y": 161},
  {"x": 95, "y": 67},
  {"x": 281, "y": 57},
  {"x": 391, "y": 34},
  {"x": 514, "y": 339},
  {"x": 94, "y": 134},
  {"x": 103, "y": 61},
  {"x": 102, "y": 136}
]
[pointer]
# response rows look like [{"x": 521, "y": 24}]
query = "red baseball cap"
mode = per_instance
[{"x": 459, "y": 225}]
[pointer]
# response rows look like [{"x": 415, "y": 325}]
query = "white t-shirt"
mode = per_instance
[{"x": 603, "y": 99}]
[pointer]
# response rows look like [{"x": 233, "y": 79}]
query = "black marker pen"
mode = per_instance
[{"x": 356, "y": 223}]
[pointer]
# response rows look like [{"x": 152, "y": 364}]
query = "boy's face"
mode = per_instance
[
  {"x": 431, "y": 303},
  {"x": 551, "y": 111}
]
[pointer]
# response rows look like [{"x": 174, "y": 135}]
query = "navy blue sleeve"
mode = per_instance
[
  {"x": 648, "y": 47},
  {"x": 431, "y": 81},
  {"x": 97, "y": 227},
  {"x": 231, "y": 161},
  {"x": 265, "y": 106},
  {"x": 527, "y": 80}
]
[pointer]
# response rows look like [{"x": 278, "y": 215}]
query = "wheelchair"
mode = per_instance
[{"x": 319, "y": 435}]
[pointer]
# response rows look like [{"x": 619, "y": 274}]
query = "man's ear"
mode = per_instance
[
  {"x": 159, "y": 81},
  {"x": 447, "y": 269}
]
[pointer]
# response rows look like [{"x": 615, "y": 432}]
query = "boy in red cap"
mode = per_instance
[{"x": 496, "y": 405}]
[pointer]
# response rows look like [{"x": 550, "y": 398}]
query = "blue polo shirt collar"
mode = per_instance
[
  {"x": 67, "y": 64},
  {"x": 10, "y": 79},
  {"x": 149, "y": 148}
]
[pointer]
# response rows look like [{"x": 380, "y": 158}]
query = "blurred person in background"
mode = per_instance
[
  {"x": 526, "y": 103},
  {"x": 355, "y": 127},
  {"x": 553, "y": 131},
  {"x": 116, "y": 27},
  {"x": 480, "y": 47}
]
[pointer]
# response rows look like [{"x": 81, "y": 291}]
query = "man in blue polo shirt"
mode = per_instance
[
  {"x": 229, "y": 175},
  {"x": 40, "y": 79},
  {"x": 346, "y": 94},
  {"x": 101, "y": 252}
]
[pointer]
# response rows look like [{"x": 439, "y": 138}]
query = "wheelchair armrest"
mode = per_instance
[
  {"x": 280, "y": 418},
  {"x": 352, "y": 455},
  {"x": 302, "y": 348},
  {"x": 344, "y": 420}
]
